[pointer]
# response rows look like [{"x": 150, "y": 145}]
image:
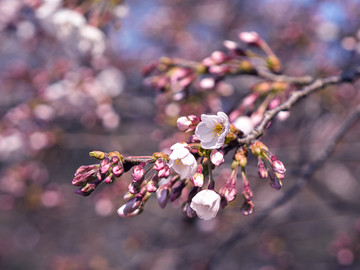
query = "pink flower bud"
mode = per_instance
[
  {"x": 118, "y": 170},
  {"x": 105, "y": 165},
  {"x": 251, "y": 38},
  {"x": 183, "y": 123},
  {"x": 283, "y": 115},
  {"x": 219, "y": 57},
  {"x": 187, "y": 123},
  {"x": 151, "y": 186},
  {"x": 115, "y": 160},
  {"x": 108, "y": 179},
  {"x": 228, "y": 191},
  {"x": 208, "y": 62},
  {"x": 230, "y": 45},
  {"x": 198, "y": 179},
  {"x": 164, "y": 172},
  {"x": 138, "y": 173},
  {"x": 262, "y": 170},
  {"x": 159, "y": 164},
  {"x": 217, "y": 157},
  {"x": 219, "y": 70},
  {"x": 207, "y": 83},
  {"x": 278, "y": 166}
]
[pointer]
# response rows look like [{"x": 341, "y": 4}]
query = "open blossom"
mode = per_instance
[
  {"x": 182, "y": 161},
  {"x": 212, "y": 130},
  {"x": 206, "y": 204}
]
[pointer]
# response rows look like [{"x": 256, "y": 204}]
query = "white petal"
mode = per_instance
[
  {"x": 210, "y": 145},
  {"x": 184, "y": 173},
  {"x": 188, "y": 159},
  {"x": 203, "y": 132}
]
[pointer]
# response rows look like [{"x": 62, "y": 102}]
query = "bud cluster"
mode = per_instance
[
  {"x": 187, "y": 172},
  {"x": 268, "y": 165},
  {"x": 90, "y": 176}
]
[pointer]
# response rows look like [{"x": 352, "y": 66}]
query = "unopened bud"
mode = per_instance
[
  {"x": 162, "y": 195},
  {"x": 187, "y": 123},
  {"x": 132, "y": 205},
  {"x": 159, "y": 164},
  {"x": 218, "y": 57},
  {"x": 247, "y": 208},
  {"x": 118, "y": 170},
  {"x": 105, "y": 165},
  {"x": 134, "y": 188},
  {"x": 273, "y": 63},
  {"x": 251, "y": 38},
  {"x": 151, "y": 186},
  {"x": 138, "y": 173},
  {"x": 187, "y": 210},
  {"x": 164, "y": 172},
  {"x": 207, "y": 83},
  {"x": 217, "y": 157},
  {"x": 278, "y": 166},
  {"x": 97, "y": 154},
  {"x": 198, "y": 179},
  {"x": 121, "y": 212},
  {"x": 262, "y": 170},
  {"x": 115, "y": 160}
]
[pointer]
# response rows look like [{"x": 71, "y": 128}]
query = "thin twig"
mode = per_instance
[
  {"x": 293, "y": 99},
  {"x": 305, "y": 177}
]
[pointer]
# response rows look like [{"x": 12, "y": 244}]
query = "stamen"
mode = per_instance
[
  {"x": 179, "y": 163},
  {"x": 217, "y": 130}
]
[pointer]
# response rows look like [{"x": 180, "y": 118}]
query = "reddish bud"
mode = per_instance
[
  {"x": 262, "y": 171},
  {"x": 278, "y": 166},
  {"x": 118, "y": 170},
  {"x": 105, "y": 165},
  {"x": 159, "y": 164},
  {"x": 164, "y": 172},
  {"x": 138, "y": 173}
]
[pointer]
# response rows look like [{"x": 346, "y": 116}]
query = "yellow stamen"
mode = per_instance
[
  {"x": 217, "y": 130},
  {"x": 179, "y": 163}
]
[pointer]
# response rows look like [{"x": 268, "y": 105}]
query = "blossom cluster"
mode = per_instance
[{"x": 187, "y": 172}]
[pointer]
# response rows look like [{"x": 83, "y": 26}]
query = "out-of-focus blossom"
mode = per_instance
[
  {"x": 182, "y": 161},
  {"x": 206, "y": 204},
  {"x": 212, "y": 130},
  {"x": 244, "y": 123}
]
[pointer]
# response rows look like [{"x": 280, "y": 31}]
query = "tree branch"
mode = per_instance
[
  {"x": 293, "y": 99},
  {"x": 305, "y": 176}
]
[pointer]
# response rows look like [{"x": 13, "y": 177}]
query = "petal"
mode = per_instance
[
  {"x": 188, "y": 159},
  {"x": 209, "y": 120},
  {"x": 203, "y": 132},
  {"x": 211, "y": 144},
  {"x": 184, "y": 172}
]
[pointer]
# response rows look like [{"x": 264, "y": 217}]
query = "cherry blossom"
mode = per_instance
[
  {"x": 206, "y": 204},
  {"x": 182, "y": 161},
  {"x": 212, "y": 130}
]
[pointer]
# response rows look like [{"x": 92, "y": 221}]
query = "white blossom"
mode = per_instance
[
  {"x": 212, "y": 130},
  {"x": 245, "y": 124},
  {"x": 206, "y": 204},
  {"x": 182, "y": 161}
]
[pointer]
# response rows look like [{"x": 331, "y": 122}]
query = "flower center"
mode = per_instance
[
  {"x": 179, "y": 163},
  {"x": 217, "y": 130}
]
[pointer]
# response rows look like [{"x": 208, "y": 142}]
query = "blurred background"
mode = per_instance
[{"x": 71, "y": 82}]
